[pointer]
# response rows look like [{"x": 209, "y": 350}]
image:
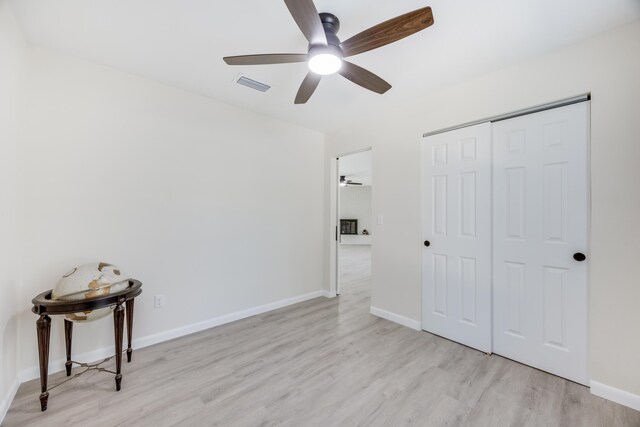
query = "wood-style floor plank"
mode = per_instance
[{"x": 324, "y": 362}]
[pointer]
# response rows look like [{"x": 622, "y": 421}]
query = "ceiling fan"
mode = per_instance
[
  {"x": 345, "y": 182},
  {"x": 326, "y": 53}
]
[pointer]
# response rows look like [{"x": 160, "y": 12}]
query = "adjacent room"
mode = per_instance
[
  {"x": 319, "y": 213},
  {"x": 354, "y": 215}
]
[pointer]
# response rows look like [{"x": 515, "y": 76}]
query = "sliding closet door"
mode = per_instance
[
  {"x": 540, "y": 240},
  {"x": 456, "y": 227}
]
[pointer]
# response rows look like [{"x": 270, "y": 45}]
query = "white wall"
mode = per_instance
[
  {"x": 609, "y": 67},
  {"x": 201, "y": 201},
  {"x": 355, "y": 203},
  {"x": 12, "y": 48}
]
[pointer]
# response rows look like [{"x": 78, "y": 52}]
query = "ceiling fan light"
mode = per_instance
[
  {"x": 325, "y": 64},
  {"x": 325, "y": 60}
]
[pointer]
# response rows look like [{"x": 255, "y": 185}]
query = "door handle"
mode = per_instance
[
  {"x": 427, "y": 243},
  {"x": 579, "y": 256}
]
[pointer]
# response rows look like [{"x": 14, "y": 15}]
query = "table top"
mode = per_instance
[{"x": 43, "y": 304}]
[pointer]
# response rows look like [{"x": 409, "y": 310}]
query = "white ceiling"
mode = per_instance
[{"x": 182, "y": 42}]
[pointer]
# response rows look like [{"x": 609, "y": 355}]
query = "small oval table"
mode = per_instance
[{"x": 44, "y": 306}]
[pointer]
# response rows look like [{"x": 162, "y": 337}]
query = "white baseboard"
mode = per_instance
[
  {"x": 6, "y": 402},
  {"x": 221, "y": 320},
  {"x": 33, "y": 372},
  {"x": 329, "y": 294},
  {"x": 404, "y": 321},
  {"x": 616, "y": 395}
]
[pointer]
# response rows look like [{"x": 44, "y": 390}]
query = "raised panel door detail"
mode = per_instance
[
  {"x": 554, "y": 306},
  {"x": 515, "y": 297},
  {"x": 516, "y": 142},
  {"x": 468, "y": 149},
  {"x": 515, "y": 202},
  {"x": 440, "y": 284},
  {"x": 554, "y": 134},
  {"x": 468, "y": 204},
  {"x": 440, "y": 154},
  {"x": 469, "y": 289},
  {"x": 555, "y": 209},
  {"x": 439, "y": 205}
]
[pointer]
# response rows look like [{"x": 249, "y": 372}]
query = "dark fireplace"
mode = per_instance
[{"x": 348, "y": 226}]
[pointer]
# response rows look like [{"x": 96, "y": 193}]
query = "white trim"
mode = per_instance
[
  {"x": 221, "y": 320},
  {"x": 404, "y": 321},
  {"x": 58, "y": 365},
  {"x": 6, "y": 402},
  {"x": 334, "y": 217},
  {"x": 616, "y": 395},
  {"x": 333, "y": 225},
  {"x": 335, "y": 185},
  {"x": 329, "y": 294},
  {"x": 55, "y": 366}
]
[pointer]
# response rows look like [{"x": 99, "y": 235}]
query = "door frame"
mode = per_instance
[{"x": 334, "y": 219}]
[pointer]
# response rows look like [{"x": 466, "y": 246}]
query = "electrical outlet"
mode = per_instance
[{"x": 158, "y": 301}]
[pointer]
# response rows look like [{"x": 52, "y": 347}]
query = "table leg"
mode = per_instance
[
  {"x": 68, "y": 332},
  {"x": 129, "y": 313},
  {"x": 118, "y": 326},
  {"x": 43, "y": 326}
]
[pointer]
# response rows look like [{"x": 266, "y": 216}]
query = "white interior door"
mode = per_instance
[
  {"x": 540, "y": 222},
  {"x": 456, "y": 266}
]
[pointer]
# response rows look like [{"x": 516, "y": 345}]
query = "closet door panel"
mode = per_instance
[
  {"x": 540, "y": 219},
  {"x": 456, "y": 221}
]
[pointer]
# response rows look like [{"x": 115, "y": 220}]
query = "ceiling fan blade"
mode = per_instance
[
  {"x": 388, "y": 32},
  {"x": 363, "y": 77},
  {"x": 306, "y": 15},
  {"x": 275, "y": 58},
  {"x": 308, "y": 86}
]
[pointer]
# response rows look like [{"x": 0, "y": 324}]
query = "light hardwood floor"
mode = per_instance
[{"x": 324, "y": 362}]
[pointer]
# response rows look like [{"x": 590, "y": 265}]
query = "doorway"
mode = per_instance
[{"x": 354, "y": 224}]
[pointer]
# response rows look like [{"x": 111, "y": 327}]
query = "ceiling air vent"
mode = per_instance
[{"x": 250, "y": 83}]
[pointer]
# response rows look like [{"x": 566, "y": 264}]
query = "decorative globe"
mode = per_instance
[{"x": 86, "y": 282}]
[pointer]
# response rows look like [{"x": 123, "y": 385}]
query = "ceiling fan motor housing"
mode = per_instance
[
  {"x": 327, "y": 59},
  {"x": 331, "y": 25}
]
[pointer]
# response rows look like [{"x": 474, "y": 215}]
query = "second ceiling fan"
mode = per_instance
[
  {"x": 326, "y": 53},
  {"x": 344, "y": 182}
]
